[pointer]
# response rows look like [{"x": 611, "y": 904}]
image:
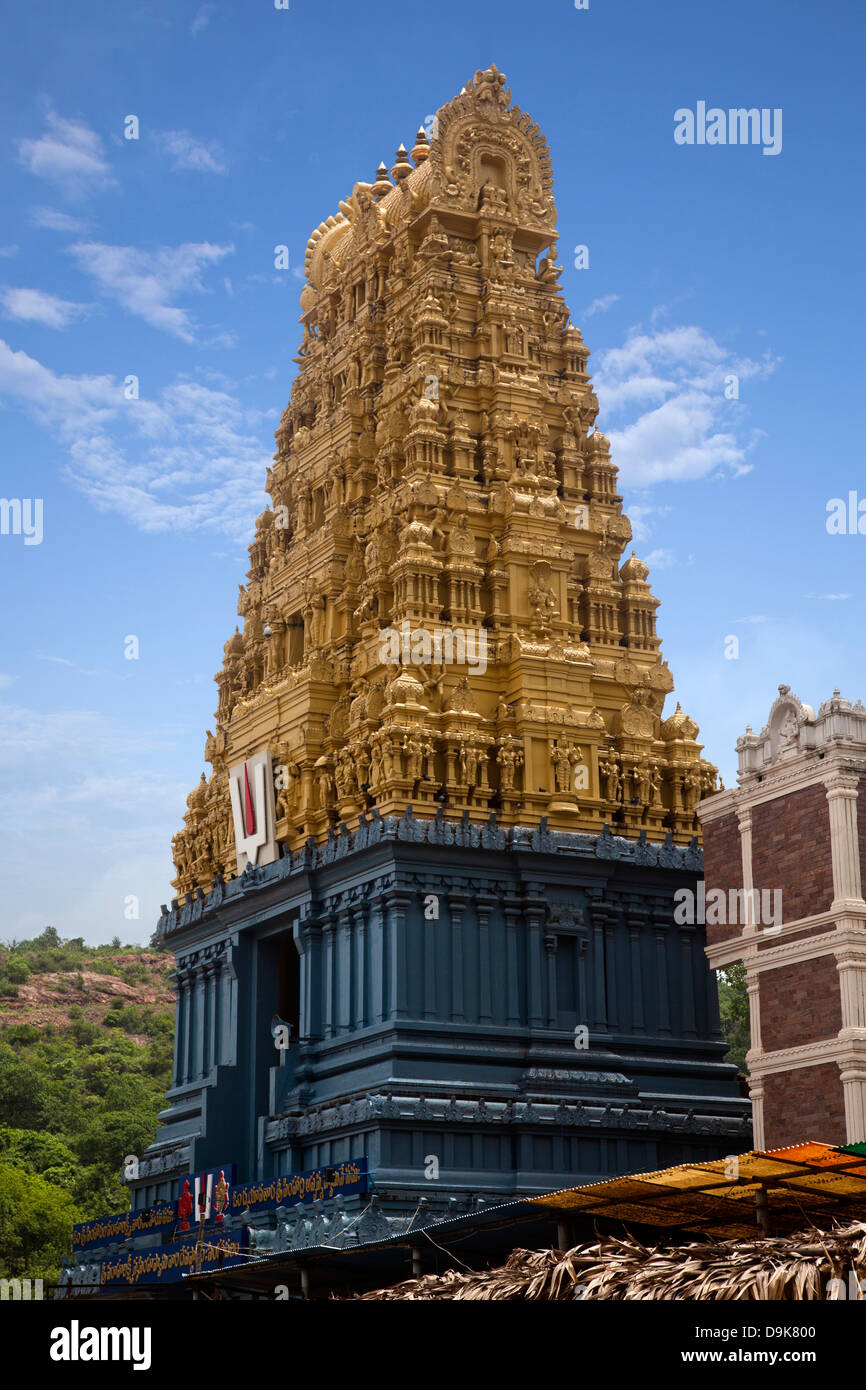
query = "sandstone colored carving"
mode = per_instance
[{"x": 437, "y": 466}]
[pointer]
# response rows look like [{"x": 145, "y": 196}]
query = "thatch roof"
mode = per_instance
[{"x": 799, "y": 1266}]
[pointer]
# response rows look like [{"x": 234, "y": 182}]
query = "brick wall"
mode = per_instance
[
  {"x": 806, "y": 1103},
  {"x": 791, "y": 851},
  {"x": 800, "y": 1004},
  {"x": 805, "y": 934},
  {"x": 861, "y": 827},
  {"x": 723, "y": 867}
]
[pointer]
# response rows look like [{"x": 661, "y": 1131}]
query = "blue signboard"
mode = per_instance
[
  {"x": 210, "y": 1197},
  {"x": 166, "y": 1264},
  {"x": 346, "y": 1178},
  {"x": 201, "y": 1197},
  {"x": 147, "y": 1221}
]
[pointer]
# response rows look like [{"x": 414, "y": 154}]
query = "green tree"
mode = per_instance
[
  {"x": 98, "y": 1192},
  {"x": 21, "y": 1035},
  {"x": 113, "y": 1134},
  {"x": 22, "y": 1102},
  {"x": 76, "y": 1099},
  {"x": 35, "y": 1223},
  {"x": 39, "y": 1153},
  {"x": 734, "y": 1010}
]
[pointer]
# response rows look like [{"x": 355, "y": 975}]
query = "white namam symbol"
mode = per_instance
[{"x": 248, "y": 809}]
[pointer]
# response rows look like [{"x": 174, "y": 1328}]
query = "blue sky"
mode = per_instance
[{"x": 154, "y": 258}]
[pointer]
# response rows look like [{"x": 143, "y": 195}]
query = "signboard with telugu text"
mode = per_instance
[{"x": 340, "y": 1178}]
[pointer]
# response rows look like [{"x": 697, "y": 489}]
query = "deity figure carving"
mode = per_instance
[
  {"x": 510, "y": 762},
  {"x": 562, "y": 768},
  {"x": 412, "y": 751},
  {"x": 610, "y": 772},
  {"x": 326, "y": 787},
  {"x": 542, "y": 600},
  {"x": 288, "y": 796},
  {"x": 692, "y": 786}
]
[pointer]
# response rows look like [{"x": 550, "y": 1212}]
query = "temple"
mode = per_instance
[{"x": 424, "y": 916}]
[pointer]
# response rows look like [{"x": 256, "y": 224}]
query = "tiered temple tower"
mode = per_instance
[{"x": 446, "y": 819}]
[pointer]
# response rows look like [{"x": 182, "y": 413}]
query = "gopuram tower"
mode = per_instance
[{"x": 446, "y": 819}]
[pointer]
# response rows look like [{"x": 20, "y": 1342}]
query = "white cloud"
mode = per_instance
[
  {"x": 69, "y": 155},
  {"x": 83, "y": 794},
  {"x": 640, "y": 515},
  {"x": 192, "y": 458},
  {"x": 57, "y": 221},
  {"x": 201, "y": 20},
  {"x": 101, "y": 671},
  {"x": 188, "y": 153},
  {"x": 660, "y": 559},
  {"x": 668, "y": 390},
  {"x": 74, "y": 402},
  {"x": 677, "y": 441},
  {"x": 35, "y": 306},
  {"x": 601, "y": 305},
  {"x": 35, "y": 739},
  {"x": 146, "y": 282}
]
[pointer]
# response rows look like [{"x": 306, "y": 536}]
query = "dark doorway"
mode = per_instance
[{"x": 289, "y": 1007}]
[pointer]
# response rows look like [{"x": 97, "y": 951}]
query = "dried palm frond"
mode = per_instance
[{"x": 798, "y": 1266}]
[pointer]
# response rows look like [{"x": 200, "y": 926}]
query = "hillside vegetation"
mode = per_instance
[{"x": 85, "y": 1058}]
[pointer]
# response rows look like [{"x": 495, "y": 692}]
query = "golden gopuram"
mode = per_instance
[{"x": 440, "y": 611}]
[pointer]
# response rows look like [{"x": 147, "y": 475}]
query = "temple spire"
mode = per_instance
[{"x": 439, "y": 611}]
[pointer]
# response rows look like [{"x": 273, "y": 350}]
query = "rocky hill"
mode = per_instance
[
  {"x": 85, "y": 1060},
  {"x": 91, "y": 990}
]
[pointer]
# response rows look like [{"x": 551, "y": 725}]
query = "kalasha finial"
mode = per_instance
[
  {"x": 383, "y": 185},
  {"x": 421, "y": 149},
  {"x": 402, "y": 168}
]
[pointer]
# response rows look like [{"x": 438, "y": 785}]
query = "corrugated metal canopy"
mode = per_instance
[{"x": 719, "y": 1198}]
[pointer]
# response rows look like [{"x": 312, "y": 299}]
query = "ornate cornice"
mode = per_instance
[
  {"x": 419, "y": 1110},
  {"x": 412, "y": 829}
]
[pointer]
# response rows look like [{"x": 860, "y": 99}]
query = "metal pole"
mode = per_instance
[{"x": 762, "y": 1210}]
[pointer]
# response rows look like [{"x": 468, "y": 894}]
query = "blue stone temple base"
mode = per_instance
[{"x": 482, "y": 1013}]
